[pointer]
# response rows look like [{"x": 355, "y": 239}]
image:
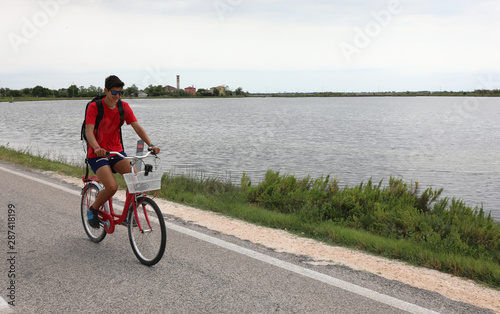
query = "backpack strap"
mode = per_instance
[
  {"x": 86, "y": 168},
  {"x": 100, "y": 113},
  {"x": 122, "y": 120},
  {"x": 122, "y": 112}
]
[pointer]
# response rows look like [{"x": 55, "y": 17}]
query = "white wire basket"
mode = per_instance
[{"x": 148, "y": 179}]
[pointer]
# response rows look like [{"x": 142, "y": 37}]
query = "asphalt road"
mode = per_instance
[{"x": 52, "y": 267}]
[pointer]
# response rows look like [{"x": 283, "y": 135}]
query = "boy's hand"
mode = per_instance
[
  {"x": 101, "y": 152},
  {"x": 154, "y": 149}
]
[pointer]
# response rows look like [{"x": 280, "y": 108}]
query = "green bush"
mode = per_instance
[{"x": 396, "y": 211}]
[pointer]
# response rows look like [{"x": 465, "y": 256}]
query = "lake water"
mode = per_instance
[{"x": 444, "y": 142}]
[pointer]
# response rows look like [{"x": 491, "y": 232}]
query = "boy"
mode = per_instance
[{"x": 108, "y": 139}]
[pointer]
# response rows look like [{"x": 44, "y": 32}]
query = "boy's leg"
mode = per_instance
[
  {"x": 123, "y": 166},
  {"x": 110, "y": 186}
]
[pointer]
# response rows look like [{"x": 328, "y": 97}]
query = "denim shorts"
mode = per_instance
[{"x": 98, "y": 162}]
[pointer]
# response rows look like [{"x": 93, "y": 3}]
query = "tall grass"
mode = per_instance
[{"x": 418, "y": 227}]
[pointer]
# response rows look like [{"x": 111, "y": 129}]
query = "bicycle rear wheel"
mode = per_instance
[
  {"x": 149, "y": 240},
  {"x": 89, "y": 195}
]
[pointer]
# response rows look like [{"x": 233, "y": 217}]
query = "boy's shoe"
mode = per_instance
[{"x": 93, "y": 217}]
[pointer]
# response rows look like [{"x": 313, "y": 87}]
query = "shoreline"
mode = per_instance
[{"x": 270, "y": 95}]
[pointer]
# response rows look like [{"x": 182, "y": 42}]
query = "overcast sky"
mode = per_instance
[{"x": 261, "y": 46}]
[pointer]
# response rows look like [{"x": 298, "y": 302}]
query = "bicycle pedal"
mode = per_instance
[{"x": 105, "y": 223}]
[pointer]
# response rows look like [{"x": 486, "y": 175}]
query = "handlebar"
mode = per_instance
[{"x": 150, "y": 152}]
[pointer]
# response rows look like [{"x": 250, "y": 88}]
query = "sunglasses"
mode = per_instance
[{"x": 115, "y": 92}]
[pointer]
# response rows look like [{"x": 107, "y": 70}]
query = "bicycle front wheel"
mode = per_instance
[
  {"x": 147, "y": 232},
  {"x": 89, "y": 195}
]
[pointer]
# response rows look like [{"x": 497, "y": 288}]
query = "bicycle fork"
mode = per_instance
[{"x": 143, "y": 208}]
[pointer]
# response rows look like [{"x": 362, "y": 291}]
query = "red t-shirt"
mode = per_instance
[{"x": 108, "y": 135}]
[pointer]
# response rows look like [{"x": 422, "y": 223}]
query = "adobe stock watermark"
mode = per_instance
[
  {"x": 31, "y": 26},
  {"x": 465, "y": 111},
  {"x": 223, "y": 6},
  {"x": 470, "y": 106},
  {"x": 364, "y": 36},
  {"x": 156, "y": 75},
  {"x": 488, "y": 83}
]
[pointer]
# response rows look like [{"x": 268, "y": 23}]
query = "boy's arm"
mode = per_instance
[
  {"x": 89, "y": 134},
  {"x": 144, "y": 136}
]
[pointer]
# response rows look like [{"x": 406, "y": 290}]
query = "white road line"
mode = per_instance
[
  {"x": 27, "y": 176},
  {"x": 376, "y": 296}
]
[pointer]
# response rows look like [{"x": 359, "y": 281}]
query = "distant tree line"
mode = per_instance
[
  {"x": 70, "y": 92},
  {"x": 158, "y": 91},
  {"x": 475, "y": 93},
  {"x": 487, "y": 92},
  {"x": 92, "y": 91}
]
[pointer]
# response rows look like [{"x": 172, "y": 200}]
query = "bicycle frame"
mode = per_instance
[{"x": 111, "y": 219}]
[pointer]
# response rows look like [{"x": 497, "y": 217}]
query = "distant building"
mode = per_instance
[
  {"x": 222, "y": 90},
  {"x": 142, "y": 94},
  {"x": 191, "y": 90},
  {"x": 168, "y": 88}
]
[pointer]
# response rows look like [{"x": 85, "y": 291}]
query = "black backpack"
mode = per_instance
[{"x": 100, "y": 113}]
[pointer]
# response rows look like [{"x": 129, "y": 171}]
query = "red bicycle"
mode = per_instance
[{"x": 141, "y": 215}]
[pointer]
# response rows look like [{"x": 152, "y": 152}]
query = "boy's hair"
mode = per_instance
[{"x": 113, "y": 81}]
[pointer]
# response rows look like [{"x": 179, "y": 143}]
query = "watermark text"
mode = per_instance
[
  {"x": 31, "y": 26},
  {"x": 364, "y": 36},
  {"x": 223, "y": 6},
  {"x": 11, "y": 254}
]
